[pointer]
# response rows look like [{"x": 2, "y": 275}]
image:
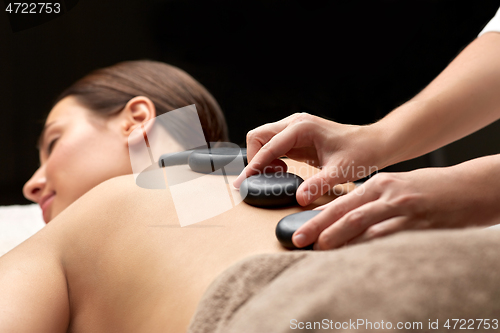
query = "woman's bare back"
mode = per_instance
[{"x": 118, "y": 260}]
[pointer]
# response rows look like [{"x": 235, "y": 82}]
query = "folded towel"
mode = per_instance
[{"x": 423, "y": 277}]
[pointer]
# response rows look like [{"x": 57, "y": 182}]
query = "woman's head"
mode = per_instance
[{"x": 84, "y": 141}]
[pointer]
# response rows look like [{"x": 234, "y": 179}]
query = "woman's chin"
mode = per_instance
[
  {"x": 47, "y": 217},
  {"x": 50, "y": 214}
]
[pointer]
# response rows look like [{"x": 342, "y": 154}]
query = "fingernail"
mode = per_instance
[
  {"x": 299, "y": 240},
  {"x": 237, "y": 181},
  {"x": 305, "y": 196}
]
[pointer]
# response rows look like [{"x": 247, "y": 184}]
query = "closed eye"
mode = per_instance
[{"x": 51, "y": 146}]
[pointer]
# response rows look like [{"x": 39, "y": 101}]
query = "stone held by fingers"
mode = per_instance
[
  {"x": 271, "y": 189},
  {"x": 289, "y": 224}
]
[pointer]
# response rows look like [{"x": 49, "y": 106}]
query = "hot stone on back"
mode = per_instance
[
  {"x": 290, "y": 223},
  {"x": 271, "y": 189}
]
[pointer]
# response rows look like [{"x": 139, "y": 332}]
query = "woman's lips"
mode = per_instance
[{"x": 45, "y": 204}]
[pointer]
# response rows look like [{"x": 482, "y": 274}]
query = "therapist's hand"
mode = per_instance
[
  {"x": 342, "y": 152},
  {"x": 453, "y": 197}
]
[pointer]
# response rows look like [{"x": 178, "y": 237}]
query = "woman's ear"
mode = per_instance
[{"x": 139, "y": 112}]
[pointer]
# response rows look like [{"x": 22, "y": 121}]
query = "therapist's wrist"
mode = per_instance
[
  {"x": 402, "y": 134},
  {"x": 379, "y": 148}
]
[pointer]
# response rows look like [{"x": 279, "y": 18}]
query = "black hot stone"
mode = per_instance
[
  {"x": 271, "y": 189},
  {"x": 207, "y": 161},
  {"x": 172, "y": 159},
  {"x": 177, "y": 158},
  {"x": 289, "y": 224}
]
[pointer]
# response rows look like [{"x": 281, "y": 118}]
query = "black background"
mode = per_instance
[{"x": 350, "y": 61}]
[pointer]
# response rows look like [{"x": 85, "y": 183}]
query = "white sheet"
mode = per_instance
[
  {"x": 18, "y": 223},
  {"x": 493, "y": 25}
]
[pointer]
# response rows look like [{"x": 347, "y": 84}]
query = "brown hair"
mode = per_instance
[{"x": 106, "y": 91}]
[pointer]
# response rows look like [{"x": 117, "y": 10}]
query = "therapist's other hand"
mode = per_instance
[
  {"x": 342, "y": 152},
  {"x": 392, "y": 202}
]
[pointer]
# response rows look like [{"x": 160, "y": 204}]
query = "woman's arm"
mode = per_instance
[{"x": 33, "y": 289}]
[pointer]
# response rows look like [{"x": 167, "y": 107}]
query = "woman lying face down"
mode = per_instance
[
  {"x": 84, "y": 141},
  {"x": 114, "y": 257}
]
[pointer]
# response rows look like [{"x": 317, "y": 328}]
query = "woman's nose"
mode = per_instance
[{"x": 33, "y": 188}]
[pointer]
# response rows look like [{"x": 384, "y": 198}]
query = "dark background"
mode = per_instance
[{"x": 350, "y": 61}]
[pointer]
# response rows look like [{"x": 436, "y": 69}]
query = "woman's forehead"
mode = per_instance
[{"x": 67, "y": 108}]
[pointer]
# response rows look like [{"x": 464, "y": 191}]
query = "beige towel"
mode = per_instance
[{"x": 415, "y": 277}]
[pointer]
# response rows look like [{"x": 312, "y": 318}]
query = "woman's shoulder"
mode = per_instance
[{"x": 122, "y": 188}]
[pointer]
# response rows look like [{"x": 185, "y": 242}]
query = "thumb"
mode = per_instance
[{"x": 315, "y": 186}]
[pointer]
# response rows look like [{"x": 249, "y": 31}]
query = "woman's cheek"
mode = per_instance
[{"x": 64, "y": 177}]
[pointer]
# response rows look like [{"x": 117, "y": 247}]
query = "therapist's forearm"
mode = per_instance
[{"x": 462, "y": 99}]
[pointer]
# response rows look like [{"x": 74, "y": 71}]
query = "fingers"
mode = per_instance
[
  {"x": 262, "y": 134},
  {"x": 381, "y": 229},
  {"x": 276, "y": 166},
  {"x": 338, "y": 190},
  {"x": 308, "y": 155},
  {"x": 353, "y": 224},
  {"x": 310, "y": 231},
  {"x": 270, "y": 141},
  {"x": 317, "y": 185},
  {"x": 277, "y": 146},
  {"x": 314, "y": 187}
]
